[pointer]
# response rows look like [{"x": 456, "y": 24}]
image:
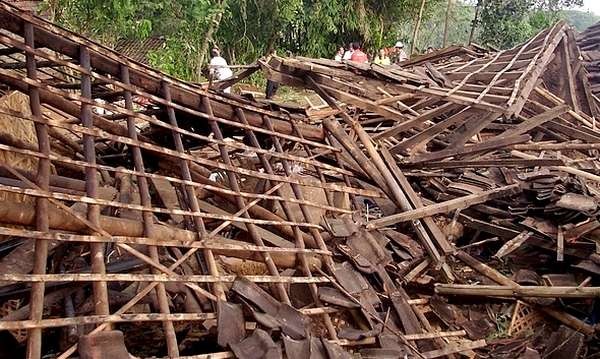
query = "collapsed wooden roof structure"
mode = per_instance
[
  {"x": 205, "y": 225},
  {"x": 472, "y": 130},
  {"x": 590, "y": 55}
]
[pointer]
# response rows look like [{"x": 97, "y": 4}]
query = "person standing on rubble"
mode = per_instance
[
  {"x": 218, "y": 68},
  {"x": 272, "y": 86},
  {"x": 348, "y": 53},
  {"x": 339, "y": 55},
  {"x": 382, "y": 58},
  {"x": 358, "y": 55},
  {"x": 399, "y": 53}
]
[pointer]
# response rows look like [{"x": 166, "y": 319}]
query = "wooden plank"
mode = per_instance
[
  {"x": 471, "y": 128},
  {"x": 445, "y": 207},
  {"x": 480, "y": 147},
  {"x": 572, "y": 132},
  {"x": 560, "y": 245},
  {"x": 570, "y": 79},
  {"x": 426, "y": 223},
  {"x": 520, "y": 95},
  {"x": 517, "y": 291},
  {"x": 417, "y": 121},
  {"x": 422, "y": 138},
  {"x": 168, "y": 196},
  {"x": 265, "y": 234},
  {"x": 535, "y": 121},
  {"x": 542, "y": 162},
  {"x": 455, "y": 348}
]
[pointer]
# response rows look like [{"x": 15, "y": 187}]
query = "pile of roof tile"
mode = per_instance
[{"x": 445, "y": 208}]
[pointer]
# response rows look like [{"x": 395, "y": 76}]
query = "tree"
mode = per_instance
[
  {"x": 506, "y": 23},
  {"x": 182, "y": 22},
  {"x": 460, "y": 16},
  {"x": 246, "y": 30},
  {"x": 580, "y": 20}
]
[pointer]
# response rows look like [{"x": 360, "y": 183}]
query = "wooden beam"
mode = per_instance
[
  {"x": 455, "y": 348},
  {"x": 518, "y": 291},
  {"x": 543, "y": 162},
  {"x": 445, "y": 207},
  {"x": 479, "y": 147},
  {"x": 570, "y": 78},
  {"x": 535, "y": 121}
]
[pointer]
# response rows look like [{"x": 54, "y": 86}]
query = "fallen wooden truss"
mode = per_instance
[
  {"x": 503, "y": 143},
  {"x": 204, "y": 225}
]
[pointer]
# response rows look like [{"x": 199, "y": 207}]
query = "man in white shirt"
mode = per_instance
[
  {"x": 219, "y": 69},
  {"x": 400, "y": 53},
  {"x": 348, "y": 53},
  {"x": 339, "y": 55}
]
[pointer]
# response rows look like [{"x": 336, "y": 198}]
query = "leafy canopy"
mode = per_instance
[
  {"x": 248, "y": 29},
  {"x": 506, "y": 23}
]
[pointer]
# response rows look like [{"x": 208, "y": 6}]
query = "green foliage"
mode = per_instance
[
  {"x": 104, "y": 20},
  {"x": 432, "y": 34},
  {"x": 313, "y": 28},
  {"x": 506, "y": 23},
  {"x": 248, "y": 30},
  {"x": 182, "y": 22},
  {"x": 171, "y": 59},
  {"x": 580, "y": 20}
]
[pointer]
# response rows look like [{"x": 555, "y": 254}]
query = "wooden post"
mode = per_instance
[
  {"x": 413, "y": 44},
  {"x": 145, "y": 200},
  {"x": 100, "y": 289},
  {"x": 34, "y": 342}
]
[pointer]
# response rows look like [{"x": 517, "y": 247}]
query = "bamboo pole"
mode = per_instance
[
  {"x": 504, "y": 281},
  {"x": 126, "y": 231}
]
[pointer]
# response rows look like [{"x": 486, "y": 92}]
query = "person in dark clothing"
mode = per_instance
[{"x": 272, "y": 86}]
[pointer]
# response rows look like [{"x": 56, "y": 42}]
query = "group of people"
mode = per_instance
[
  {"x": 219, "y": 69},
  {"x": 385, "y": 56}
]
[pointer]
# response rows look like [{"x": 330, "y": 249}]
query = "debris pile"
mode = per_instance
[
  {"x": 447, "y": 207},
  {"x": 590, "y": 51}
]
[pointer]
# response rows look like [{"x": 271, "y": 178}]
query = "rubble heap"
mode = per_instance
[
  {"x": 590, "y": 55},
  {"x": 447, "y": 206}
]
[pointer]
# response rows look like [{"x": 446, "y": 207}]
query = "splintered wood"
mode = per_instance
[{"x": 168, "y": 219}]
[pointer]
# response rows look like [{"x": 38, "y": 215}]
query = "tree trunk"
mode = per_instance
[
  {"x": 53, "y": 10},
  {"x": 446, "y": 23},
  {"x": 475, "y": 20},
  {"x": 413, "y": 44},
  {"x": 213, "y": 27}
]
